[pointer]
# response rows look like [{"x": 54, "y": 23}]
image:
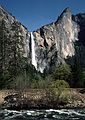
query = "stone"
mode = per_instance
[{"x": 56, "y": 43}]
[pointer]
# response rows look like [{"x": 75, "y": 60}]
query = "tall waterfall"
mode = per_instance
[{"x": 33, "y": 54}]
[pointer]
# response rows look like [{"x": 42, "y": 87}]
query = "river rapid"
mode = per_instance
[{"x": 51, "y": 114}]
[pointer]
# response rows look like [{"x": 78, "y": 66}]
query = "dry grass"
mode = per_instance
[{"x": 36, "y": 94}]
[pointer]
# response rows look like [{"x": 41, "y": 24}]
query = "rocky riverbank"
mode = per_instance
[{"x": 41, "y": 99}]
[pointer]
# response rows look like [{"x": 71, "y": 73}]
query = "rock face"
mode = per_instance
[
  {"x": 14, "y": 43},
  {"x": 80, "y": 44},
  {"x": 54, "y": 43}
]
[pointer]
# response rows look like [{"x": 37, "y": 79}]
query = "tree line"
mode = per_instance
[{"x": 18, "y": 74}]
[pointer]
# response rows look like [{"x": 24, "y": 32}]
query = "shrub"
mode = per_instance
[
  {"x": 59, "y": 90},
  {"x": 59, "y": 84}
]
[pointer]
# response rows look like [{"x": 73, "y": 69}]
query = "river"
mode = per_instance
[{"x": 51, "y": 114}]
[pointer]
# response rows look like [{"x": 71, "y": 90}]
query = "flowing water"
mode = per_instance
[
  {"x": 33, "y": 51},
  {"x": 51, "y": 114}
]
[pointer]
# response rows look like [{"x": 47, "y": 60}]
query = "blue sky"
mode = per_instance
[{"x": 36, "y": 13}]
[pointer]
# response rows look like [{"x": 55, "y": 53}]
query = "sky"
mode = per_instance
[{"x": 35, "y": 13}]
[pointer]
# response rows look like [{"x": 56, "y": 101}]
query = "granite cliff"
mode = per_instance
[
  {"x": 14, "y": 43},
  {"x": 56, "y": 43}
]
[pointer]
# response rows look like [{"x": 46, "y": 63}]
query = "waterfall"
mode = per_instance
[{"x": 33, "y": 54}]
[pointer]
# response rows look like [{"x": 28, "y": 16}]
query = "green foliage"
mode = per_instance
[
  {"x": 5, "y": 80},
  {"x": 78, "y": 66},
  {"x": 12, "y": 62},
  {"x": 38, "y": 84},
  {"x": 59, "y": 84},
  {"x": 16, "y": 73},
  {"x": 62, "y": 72},
  {"x": 78, "y": 73},
  {"x": 81, "y": 81},
  {"x": 59, "y": 90}
]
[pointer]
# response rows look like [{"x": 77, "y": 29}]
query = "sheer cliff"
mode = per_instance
[
  {"x": 14, "y": 41},
  {"x": 53, "y": 44}
]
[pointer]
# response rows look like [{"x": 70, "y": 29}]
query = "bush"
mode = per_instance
[
  {"x": 59, "y": 90},
  {"x": 59, "y": 84}
]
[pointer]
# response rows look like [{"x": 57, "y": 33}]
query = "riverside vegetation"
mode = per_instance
[{"x": 44, "y": 90}]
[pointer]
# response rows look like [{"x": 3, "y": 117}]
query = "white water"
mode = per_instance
[
  {"x": 50, "y": 114},
  {"x": 33, "y": 55}
]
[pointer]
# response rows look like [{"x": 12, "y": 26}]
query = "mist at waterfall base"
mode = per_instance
[{"x": 51, "y": 114}]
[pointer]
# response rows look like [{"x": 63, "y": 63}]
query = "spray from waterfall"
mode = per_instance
[{"x": 33, "y": 54}]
